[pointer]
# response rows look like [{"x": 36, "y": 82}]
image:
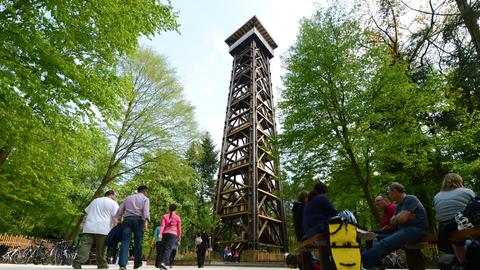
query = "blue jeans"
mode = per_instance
[
  {"x": 402, "y": 236},
  {"x": 131, "y": 224}
]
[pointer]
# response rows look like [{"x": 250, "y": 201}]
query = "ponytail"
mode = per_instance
[{"x": 172, "y": 208}]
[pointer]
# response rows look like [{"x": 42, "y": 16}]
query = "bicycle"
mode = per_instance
[
  {"x": 395, "y": 259},
  {"x": 12, "y": 256},
  {"x": 62, "y": 254}
]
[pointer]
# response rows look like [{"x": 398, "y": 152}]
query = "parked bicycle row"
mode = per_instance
[{"x": 60, "y": 253}]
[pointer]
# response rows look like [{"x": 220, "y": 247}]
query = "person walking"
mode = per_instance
[
  {"x": 201, "y": 247},
  {"x": 173, "y": 253},
  {"x": 99, "y": 219},
  {"x": 170, "y": 231},
  {"x": 158, "y": 245},
  {"x": 136, "y": 215}
]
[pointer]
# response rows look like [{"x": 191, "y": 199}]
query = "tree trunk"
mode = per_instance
[
  {"x": 470, "y": 19},
  {"x": 362, "y": 182},
  {"x": 76, "y": 230},
  {"x": 4, "y": 152},
  {"x": 114, "y": 161},
  {"x": 425, "y": 198}
]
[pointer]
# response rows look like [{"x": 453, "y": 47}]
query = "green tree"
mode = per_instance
[
  {"x": 48, "y": 178},
  {"x": 155, "y": 117},
  {"x": 444, "y": 36},
  {"x": 353, "y": 116},
  {"x": 58, "y": 60},
  {"x": 203, "y": 157},
  {"x": 321, "y": 103},
  {"x": 170, "y": 180},
  {"x": 208, "y": 165}
]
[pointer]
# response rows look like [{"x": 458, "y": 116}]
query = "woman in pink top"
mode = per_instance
[{"x": 170, "y": 231}]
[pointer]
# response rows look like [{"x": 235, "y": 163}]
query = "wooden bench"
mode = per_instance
[
  {"x": 318, "y": 242},
  {"x": 415, "y": 259}
]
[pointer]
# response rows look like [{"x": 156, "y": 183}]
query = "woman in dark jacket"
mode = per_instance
[
  {"x": 317, "y": 211},
  {"x": 297, "y": 210}
]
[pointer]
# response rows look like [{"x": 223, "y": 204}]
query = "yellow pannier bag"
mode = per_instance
[{"x": 343, "y": 245}]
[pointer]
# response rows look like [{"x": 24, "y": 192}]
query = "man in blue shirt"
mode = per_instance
[{"x": 411, "y": 220}]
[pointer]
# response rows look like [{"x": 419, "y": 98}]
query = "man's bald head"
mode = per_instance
[{"x": 382, "y": 201}]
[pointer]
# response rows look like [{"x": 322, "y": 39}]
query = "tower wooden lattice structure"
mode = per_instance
[{"x": 247, "y": 195}]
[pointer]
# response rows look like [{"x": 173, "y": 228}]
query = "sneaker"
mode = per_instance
[
  {"x": 162, "y": 266},
  {"x": 76, "y": 266},
  {"x": 122, "y": 268}
]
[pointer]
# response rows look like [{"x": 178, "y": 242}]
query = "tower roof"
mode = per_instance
[{"x": 251, "y": 27}]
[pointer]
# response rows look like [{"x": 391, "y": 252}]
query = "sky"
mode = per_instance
[{"x": 200, "y": 55}]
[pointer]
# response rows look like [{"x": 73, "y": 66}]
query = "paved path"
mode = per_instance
[{"x": 115, "y": 267}]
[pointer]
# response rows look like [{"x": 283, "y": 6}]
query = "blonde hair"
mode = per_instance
[
  {"x": 303, "y": 196},
  {"x": 451, "y": 181}
]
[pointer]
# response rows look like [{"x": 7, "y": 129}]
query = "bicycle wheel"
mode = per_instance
[
  {"x": 19, "y": 258},
  {"x": 70, "y": 258},
  {"x": 400, "y": 262},
  {"x": 7, "y": 257},
  {"x": 38, "y": 256},
  {"x": 55, "y": 257},
  {"x": 14, "y": 258}
]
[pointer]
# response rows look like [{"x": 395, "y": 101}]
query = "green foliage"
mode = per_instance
[
  {"x": 59, "y": 57},
  {"x": 208, "y": 158},
  {"x": 155, "y": 117},
  {"x": 353, "y": 117},
  {"x": 59, "y": 82},
  {"x": 203, "y": 158},
  {"x": 58, "y": 60},
  {"x": 48, "y": 178},
  {"x": 323, "y": 111}
]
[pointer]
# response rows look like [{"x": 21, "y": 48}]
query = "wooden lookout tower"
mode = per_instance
[{"x": 247, "y": 196}]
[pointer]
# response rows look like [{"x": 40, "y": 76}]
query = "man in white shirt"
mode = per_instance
[{"x": 98, "y": 221}]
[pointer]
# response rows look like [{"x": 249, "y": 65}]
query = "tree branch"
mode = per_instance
[{"x": 427, "y": 12}]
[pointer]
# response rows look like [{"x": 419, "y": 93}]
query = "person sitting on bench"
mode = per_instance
[
  {"x": 383, "y": 202},
  {"x": 388, "y": 207},
  {"x": 317, "y": 211},
  {"x": 410, "y": 218},
  {"x": 452, "y": 199}
]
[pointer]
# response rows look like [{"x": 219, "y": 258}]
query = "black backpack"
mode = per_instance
[
  {"x": 473, "y": 255},
  {"x": 470, "y": 216}
]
